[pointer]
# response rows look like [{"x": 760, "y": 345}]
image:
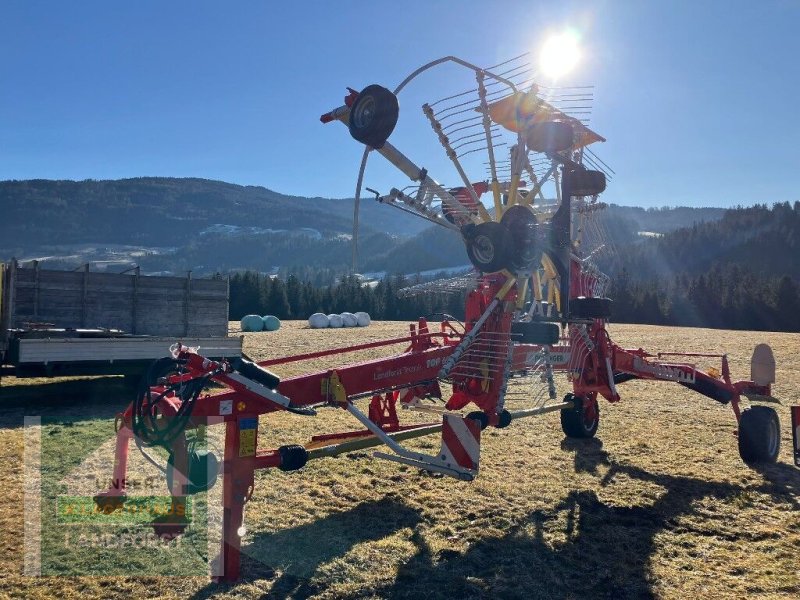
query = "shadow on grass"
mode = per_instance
[
  {"x": 298, "y": 552},
  {"x": 589, "y": 454},
  {"x": 72, "y": 399},
  {"x": 581, "y": 547},
  {"x": 783, "y": 482}
]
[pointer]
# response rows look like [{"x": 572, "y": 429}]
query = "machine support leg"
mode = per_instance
[{"x": 238, "y": 481}]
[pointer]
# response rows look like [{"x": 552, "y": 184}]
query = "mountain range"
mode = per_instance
[{"x": 171, "y": 225}]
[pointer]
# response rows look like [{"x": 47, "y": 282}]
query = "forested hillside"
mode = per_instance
[
  {"x": 170, "y": 225},
  {"x": 762, "y": 239},
  {"x": 737, "y": 273}
]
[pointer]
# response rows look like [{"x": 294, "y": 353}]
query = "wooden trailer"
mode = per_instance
[{"x": 58, "y": 323}]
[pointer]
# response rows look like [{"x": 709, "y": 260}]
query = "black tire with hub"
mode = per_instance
[
  {"x": 552, "y": 136},
  {"x": 535, "y": 332},
  {"x": 527, "y": 239},
  {"x": 590, "y": 308},
  {"x": 487, "y": 246},
  {"x": 373, "y": 116},
  {"x": 583, "y": 182},
  {"x": 759, "y": 435},
  {"x": 580, "y": 421}
]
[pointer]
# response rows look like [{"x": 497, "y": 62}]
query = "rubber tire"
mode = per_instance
[
  {"x": 572, "y": 421},
  {"x": 549, "y": 137},
  {"x": 527, "y": 237},
  {"x": 373, "y": 129},
  {"x": 759, "y": 435},
  {"x": 479, "y": 417},
  {"x": 590, "y": 308},
  {"x": 583, "y": 182},
  {"x": 488, "y": 246},
  {"x": 535, "y": 332}
]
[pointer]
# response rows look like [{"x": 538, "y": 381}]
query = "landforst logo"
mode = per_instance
[
  {"x": 83, "y": 509},
  {"x": 80, "y": 521}
]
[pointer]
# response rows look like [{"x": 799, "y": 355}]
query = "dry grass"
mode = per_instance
[{"x": 659, "y": 505}]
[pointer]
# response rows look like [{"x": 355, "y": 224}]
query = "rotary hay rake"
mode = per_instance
[{"x": 536, "y": 308}]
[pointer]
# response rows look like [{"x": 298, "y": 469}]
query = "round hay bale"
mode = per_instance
[
  {"x": 252, "y": 323},
  {"x": 335, "y": 321},
  {"x": 363, "y": 319},
  {"x": 271, "y": 323},
  {"x": 318, "y": 321},
  {"x": 349, "y": 320}
]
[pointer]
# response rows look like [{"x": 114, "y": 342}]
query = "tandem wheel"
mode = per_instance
[
  {"x": 759, "y": 435},
  {"x": 582, "y": 420}
]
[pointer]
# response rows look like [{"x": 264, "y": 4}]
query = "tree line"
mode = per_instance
[
  {"x": 725, "y": 297},
  {"x": 292, "y": 298}
]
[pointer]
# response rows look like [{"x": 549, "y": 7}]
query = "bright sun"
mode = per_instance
[{"x": 559, "y": 55}]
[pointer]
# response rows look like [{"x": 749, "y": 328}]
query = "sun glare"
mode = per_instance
[{"x": 559, "y": 55}]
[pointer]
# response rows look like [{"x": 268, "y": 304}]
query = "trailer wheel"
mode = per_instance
[
  {"x": 373, "y": 116},
  {"x": 759, "y": 435},
  {"x": 582, "y": 420},
  {"x": 590, "y": 308},
  {"x": 583, "y": 182},
  {"x": 487, "y": 246}
]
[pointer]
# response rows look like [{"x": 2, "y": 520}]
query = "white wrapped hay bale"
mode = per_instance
[
  {"x": 349, "y": 319},
  {"x": 363, "y": 319},
  {"x": 318, "y": 321},
  {"x": 335, "y": 321}
]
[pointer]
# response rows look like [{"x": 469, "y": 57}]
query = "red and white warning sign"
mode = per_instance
[
  {"x": 796, "y": 433},
  {"x": 461, "y": 442}
]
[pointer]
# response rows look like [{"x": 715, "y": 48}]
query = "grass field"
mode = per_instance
[{"x": 659, "y": 505}]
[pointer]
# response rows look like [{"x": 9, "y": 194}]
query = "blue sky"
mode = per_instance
[{"x": 698, "y": 100}]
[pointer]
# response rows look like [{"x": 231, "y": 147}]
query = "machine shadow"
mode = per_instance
[
  {"x": 74, "y": 399},
  {"x": 589, "y": 454},
  {"x": 782, "y": 482},
  {"x": 581, "y": 547},
  {"x": 296, "y": 553}
]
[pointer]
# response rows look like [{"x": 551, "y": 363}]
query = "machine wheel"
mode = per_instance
[
  {"x": 373, "y": 116},
  {"x": 527, "y": 237},
  {"x": 583, "y": 182},
  {"x": 543, "y": 334},
  {"x": 759, "y": 435},
  {"x": 553, "y": 136},
  {"x": 590, "y": 308},
  {"x": 480, "y": 417},
  {"x": 582, "y": 420},
  {"x": 487, "y": 246}
]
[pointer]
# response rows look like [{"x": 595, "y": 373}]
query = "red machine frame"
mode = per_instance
[
  {"x": 387, "y": 382},
  {"x": 581, "y": 347}
]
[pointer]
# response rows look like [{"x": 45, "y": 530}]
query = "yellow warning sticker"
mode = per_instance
[{"x": 247, "y": 436}]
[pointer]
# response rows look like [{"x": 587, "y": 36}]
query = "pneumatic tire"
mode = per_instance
[
  {"x": 488, "y": 246},
  {"x": 536, "y": 332},
  {"x": 590, "y": 308},
  {"x": 373, "y": 116},
  {"x": 551, "y": 136},
  {"x": 583, "y": 182},
  {"x": 580, "y": 421},
  {"x": 759, "y": 435}
]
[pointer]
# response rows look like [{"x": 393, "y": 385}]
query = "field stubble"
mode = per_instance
[{"x": 658, "y": 505}]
